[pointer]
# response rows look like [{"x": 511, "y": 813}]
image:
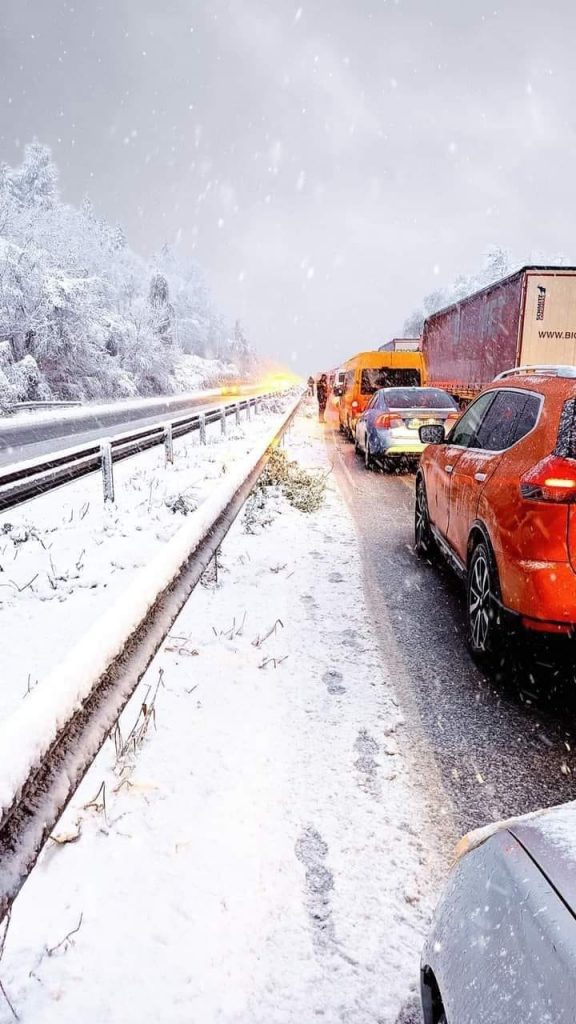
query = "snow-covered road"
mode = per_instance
[
  {"x": 35, "y": 434},
  {"x": 264, "y": 857}
]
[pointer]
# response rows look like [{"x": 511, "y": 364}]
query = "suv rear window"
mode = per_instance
[
  {"x": 419, "y": 398},
  {"x": 510, "y": 417},
  {"x": 566, "y": 443},
  {"x": 384, "y": 377}
]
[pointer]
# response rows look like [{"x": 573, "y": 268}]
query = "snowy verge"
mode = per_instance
[
  {"x": 27, "y": 734},
  {"x": 66, "y": 556},
  {"x": 261, "y": 856}
]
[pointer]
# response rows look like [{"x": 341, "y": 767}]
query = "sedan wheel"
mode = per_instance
[
  {"x": 482, "y": 614},
  {"x": 368, "y": 461}
]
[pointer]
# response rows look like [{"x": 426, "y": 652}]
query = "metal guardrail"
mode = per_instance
[
  {"x": 66, "y": 718},
  {"x": 16, "y": 407},
  {"x": 29, "y": 479}
]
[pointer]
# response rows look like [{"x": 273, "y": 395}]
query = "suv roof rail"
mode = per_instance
[{"x": 542, "y": 369}]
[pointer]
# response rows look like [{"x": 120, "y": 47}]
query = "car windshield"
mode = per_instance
[
  {"x": 385, "y": 377},
  {"x": 418, "y": 398}
]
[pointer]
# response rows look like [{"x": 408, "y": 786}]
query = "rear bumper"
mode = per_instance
[
  {"x": 541, "y": 596},
  {"x": 393, "y": 443},
  {"x": 405, "y": 449}
]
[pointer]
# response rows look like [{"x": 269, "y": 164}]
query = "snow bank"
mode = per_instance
[{"x": 28, "y": 733}]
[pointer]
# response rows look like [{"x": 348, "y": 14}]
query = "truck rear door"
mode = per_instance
[{"x": 549, "y": 326}]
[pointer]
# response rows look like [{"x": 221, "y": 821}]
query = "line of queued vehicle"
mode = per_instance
[
  {"x": 495, "y": 491},
  {"x": 495, "y": 498}
]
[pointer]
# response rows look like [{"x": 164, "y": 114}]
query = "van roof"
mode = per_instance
[{"x": 375, "y": 359}]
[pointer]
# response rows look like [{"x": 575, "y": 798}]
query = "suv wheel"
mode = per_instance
[
  {"x": 423, "y": 537},
  {"x": 482, "y": 617}
]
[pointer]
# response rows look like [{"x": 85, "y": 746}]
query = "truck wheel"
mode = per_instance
[
  {"x": 424, "y": 543},
  {"x": 483, "y": 626}
]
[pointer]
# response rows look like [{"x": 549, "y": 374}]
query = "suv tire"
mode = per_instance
[
  {"x": 424, "y": 543},
  {"x": 483, "y": 626}
]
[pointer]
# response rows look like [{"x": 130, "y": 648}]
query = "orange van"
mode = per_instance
[{"x": 366, "y": 373}]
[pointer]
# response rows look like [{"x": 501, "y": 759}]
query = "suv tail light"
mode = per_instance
[
  {"x": 387, "y": 420},
  {"x": 552, "y": 479}
]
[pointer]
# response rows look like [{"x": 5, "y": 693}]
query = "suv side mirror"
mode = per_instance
[{"x": 432, "y": 433}]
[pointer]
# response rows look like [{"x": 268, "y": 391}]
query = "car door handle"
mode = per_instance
[
  {"x": 480, "y": 477},
  {"x": 448, "y": 469}
]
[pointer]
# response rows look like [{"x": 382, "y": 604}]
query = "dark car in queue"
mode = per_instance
[
  {"x": 502, "y": 946},
  {"x": 388, "y": 428}
]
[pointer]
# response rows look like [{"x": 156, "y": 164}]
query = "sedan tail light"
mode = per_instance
[
  {"x": 387, "y": 420},
  {"x": 451, "y": 419},
  {"x": 552, "y": 479}
]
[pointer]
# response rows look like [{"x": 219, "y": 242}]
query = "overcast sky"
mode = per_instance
[{"x": 326, "y": 164}]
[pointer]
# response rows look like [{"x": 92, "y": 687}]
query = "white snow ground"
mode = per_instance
[
  {"x": 65, "y": 556},
  {"x": 263, "y": 857}
]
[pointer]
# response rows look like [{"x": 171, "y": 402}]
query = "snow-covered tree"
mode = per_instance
[
  {"x": 35, "y": 182},
  {"x": 240, "y": 350},
  {"x": 496, "y": 264},
  {"x": 81, "y": 314}
]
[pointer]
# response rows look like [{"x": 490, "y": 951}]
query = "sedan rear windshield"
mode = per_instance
[
  {"x": 418, "y": 398},
  {"x": 384, "y": 377}
]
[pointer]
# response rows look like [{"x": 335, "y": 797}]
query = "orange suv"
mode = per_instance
[{"x": 497, "y": 497}]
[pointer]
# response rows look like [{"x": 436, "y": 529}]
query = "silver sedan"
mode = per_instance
[{"x": 388, "y": 428}]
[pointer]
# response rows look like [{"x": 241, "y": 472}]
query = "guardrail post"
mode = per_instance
[
  {"x": 237, "y": 411},
  {"x": 256, "y": 409},
  {"x": 107, "y": 470},
  {"x": 202, "y": 422},
  {"x": 223, "y": 424},
  {"x": 248, "y": 410},
  {"x": 168, "y": 444}
]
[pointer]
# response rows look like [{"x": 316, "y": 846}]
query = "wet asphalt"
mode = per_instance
[{"x": 487, "y": 745}]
